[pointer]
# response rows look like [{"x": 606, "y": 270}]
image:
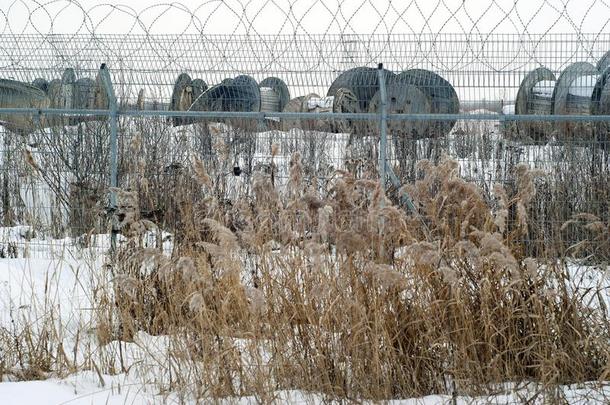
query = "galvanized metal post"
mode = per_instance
[
  {"x": 384, "y": 167},
  {"x": 112, "y": 116},
  {"x": 383, "y": 125}
]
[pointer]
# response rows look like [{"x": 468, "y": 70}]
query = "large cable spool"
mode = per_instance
[
  {"x": 362, "y": 81},
  {"x": 278, "y": 91},
  {"x": 186, "y": 96},
  {"x": 243, "y": 95},
  {"x": 535, "y": 97},
  {"x": 274, "y": 97},
  {"x": 600, "y": 105},
  {"x": 240, "y": 94},
  {"x": 14, "y": 94},
  {"x": 603, "y": 62},
  {"x": 72, "y": 93},
  {"x": 404, "y": 98},
  {"x": 573, "y": 96},
  {"x": 419, "y": 91},
  {"x": 441, "y": 95}
]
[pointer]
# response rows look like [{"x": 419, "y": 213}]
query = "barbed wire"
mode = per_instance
[
  {"x": 252, "y": 17},
  {"x": 69, "y": 28}
]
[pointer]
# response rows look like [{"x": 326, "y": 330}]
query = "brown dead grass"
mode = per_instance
[{"x": 342, "y": 292}]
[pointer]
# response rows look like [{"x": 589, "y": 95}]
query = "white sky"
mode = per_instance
[{"x": 304, "y": 16}]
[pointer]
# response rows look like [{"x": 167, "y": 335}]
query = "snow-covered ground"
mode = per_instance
[{"x": 66, "y": 284}]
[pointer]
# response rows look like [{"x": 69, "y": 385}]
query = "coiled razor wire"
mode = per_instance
[{"x": 359, "y": 21}]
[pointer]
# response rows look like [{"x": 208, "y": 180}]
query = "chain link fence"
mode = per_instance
[{"x": 88, "y": 116}]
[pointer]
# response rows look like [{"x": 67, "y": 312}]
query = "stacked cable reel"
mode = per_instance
[{"x": 581, "y": 89}]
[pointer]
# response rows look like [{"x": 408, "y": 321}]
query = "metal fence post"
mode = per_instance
[
  {"x": 112, "y": 116},
  {"x": 383, "y": 125},
  {"x": 385, "y": 169}
]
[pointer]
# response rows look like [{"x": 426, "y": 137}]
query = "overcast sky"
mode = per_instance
[{"x": 300, "y": 16}]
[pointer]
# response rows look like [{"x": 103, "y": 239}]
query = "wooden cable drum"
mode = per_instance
[
  {"x": 535, "y": 97},
  {"x": 363, "y": 82},
  {"x": 419, "y": 91},
  {"x": 603, "y": 62},
  {"x": 572, "y": 96},
  {"x": 600, "y": 105},
  {"x": 279, "y": 88},
  {"x": 274, "y": 97},
  {"x": 186, "y": 96},
  {"x": 243, "y": 95},
  {"x": 403, "y": 98},
  {"x": 14, "y": 94}
]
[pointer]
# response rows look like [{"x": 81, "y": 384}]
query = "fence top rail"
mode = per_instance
[{"x": 310, "y": 115}]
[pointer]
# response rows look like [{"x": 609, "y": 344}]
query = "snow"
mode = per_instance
[
  {"x": 80, "y": 389},
  {"x": 86, "y": 389},
  {"x": 63, "y": 284},
  {"x": 508, "y": 109}
]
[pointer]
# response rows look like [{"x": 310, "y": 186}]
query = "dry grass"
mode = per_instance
[
  {"x": 330, "y": 286},
  {"x": 339, "y": 291}
]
